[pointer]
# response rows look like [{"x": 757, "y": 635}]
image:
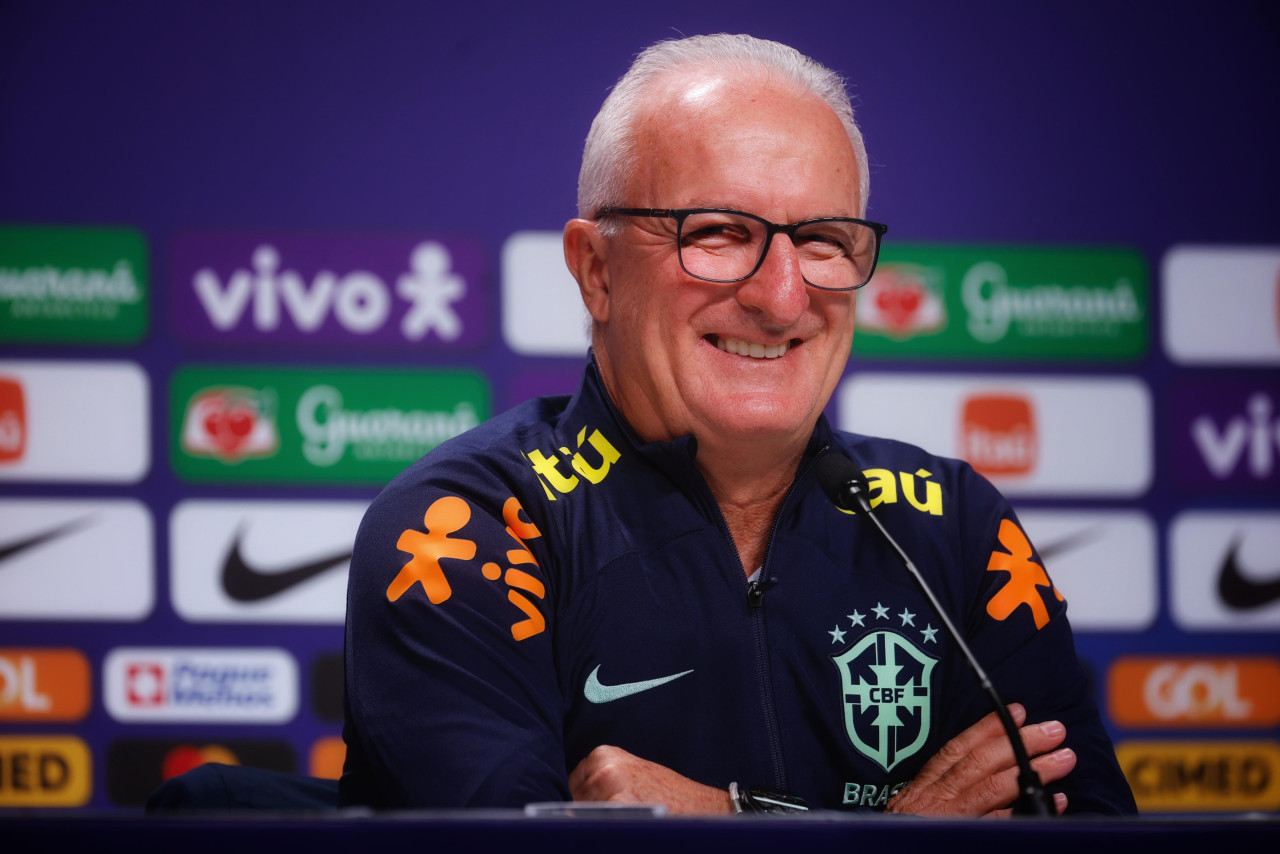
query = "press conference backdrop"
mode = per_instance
[{"x": 255, "y": 258}]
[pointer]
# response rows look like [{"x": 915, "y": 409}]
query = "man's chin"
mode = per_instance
[{"x": 758, "y": 417}]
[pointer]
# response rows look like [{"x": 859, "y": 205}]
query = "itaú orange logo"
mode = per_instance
[
  {"x": 1209, "y": 692},
  {"x": 13, "y": 420},
  {"x": 998, "y": 434}
]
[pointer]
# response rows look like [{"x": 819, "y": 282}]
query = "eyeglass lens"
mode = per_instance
[{"x": 726, "y": 247}]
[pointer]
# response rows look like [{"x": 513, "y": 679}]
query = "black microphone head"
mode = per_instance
[{"x": 841, "y": 481}]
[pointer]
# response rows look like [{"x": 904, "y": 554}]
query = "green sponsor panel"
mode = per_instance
[
  {"x": 280, "y": 425},
  {"x": 1004, "y": 303},
  {"x": 73, "y": 285}
]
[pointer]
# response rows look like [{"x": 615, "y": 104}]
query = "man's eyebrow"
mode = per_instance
[{"x": 704, "y": 203}]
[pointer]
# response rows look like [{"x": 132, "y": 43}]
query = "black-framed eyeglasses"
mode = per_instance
[{"x": 722, "y": 246}]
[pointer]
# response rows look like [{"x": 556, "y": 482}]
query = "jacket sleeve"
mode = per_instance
[
  {"x": 451, "y": 691},
  {"x": 1019, "y": 631}
]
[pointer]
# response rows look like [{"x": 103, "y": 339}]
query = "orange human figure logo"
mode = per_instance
[
  {"x": 1024, "y": 577},
  {"x": 449, "y": 515},
  {"x": 444, "y": 517}
]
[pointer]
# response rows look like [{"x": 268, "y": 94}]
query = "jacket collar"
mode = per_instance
[{"x": 591, "y": 405}]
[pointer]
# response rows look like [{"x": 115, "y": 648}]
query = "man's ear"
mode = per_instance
[{"x": 585, "y": 250}]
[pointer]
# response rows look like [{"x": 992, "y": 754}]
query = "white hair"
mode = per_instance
[{"x": 610, "y": 151}]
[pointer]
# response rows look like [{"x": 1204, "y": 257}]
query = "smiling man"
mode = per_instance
[{"x": 641, "y": 593}]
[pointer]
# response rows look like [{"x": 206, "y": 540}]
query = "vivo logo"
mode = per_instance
[
  {"x": 1250, "y": 438},
  {"x": 360, "y": 301},
  {"x": 360, "y": 290}
]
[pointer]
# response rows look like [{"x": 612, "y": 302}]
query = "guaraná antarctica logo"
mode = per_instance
[
  {"x": 307, "y": 425},
  {"x": 73, "y": 285},
  {"x": 935, "y": 301}
]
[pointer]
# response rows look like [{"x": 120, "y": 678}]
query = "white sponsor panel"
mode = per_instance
[
  {"x": 1073, "y": 436},
  {"x": 187, "y": 685},
  {"x": 542, "y": 311},
  {"x": 76, "y": 559},
  {"x": 262, "y": 561},
  {"x": 82, "y": 421},
  {"x": 1103, "y": 562},
  {"x": 1224, "y": 570},
  {"x": 1222, "y": 304}
]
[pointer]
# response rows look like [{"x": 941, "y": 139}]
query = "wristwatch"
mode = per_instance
[{"x": 756, "y": 799}]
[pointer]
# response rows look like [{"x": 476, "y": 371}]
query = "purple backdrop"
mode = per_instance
[{"x": 346, "y": 137}]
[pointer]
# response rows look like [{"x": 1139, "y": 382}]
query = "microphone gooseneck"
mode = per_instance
[{"x": 844, "y": 484}]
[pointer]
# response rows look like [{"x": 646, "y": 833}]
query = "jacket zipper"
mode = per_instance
[{"x": 755, "y": 603}]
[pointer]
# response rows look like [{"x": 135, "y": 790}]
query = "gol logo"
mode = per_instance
[
  {"x": 231, "y": 424},
  {"x": 43, "y": 685},
  {"x": 1202, "y": 776},
  {"x": 1195, "y": 692},
  {"x": 49, "y": 771},
  {"x": 13, "y": 420},
  {"x": 998, "y": 434}
]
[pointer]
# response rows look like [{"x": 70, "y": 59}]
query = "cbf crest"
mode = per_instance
[{"x": 886, "y": 683}]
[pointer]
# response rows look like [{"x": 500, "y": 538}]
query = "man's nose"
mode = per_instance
[{"x": 777, "y": 289}]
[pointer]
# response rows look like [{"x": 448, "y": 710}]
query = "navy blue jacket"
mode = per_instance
[{"x": 546, "y": 583}]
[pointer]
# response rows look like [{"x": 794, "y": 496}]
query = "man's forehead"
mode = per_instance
[
  {"x": 704, "y": 101},
  {"x": 692, "y": 116},
  {"x": 707, "y": 90},
  {"x": 695, "y": 89}
]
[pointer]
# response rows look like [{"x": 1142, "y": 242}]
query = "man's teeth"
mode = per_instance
[{"x": 739, "y": 347}]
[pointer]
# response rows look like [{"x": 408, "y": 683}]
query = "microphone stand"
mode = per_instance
[{"x": 852, "y": 490}]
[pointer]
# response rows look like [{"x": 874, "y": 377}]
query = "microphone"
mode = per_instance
[{"x": 843, "y": 483}]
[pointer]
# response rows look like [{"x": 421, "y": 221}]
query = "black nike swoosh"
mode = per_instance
[
  {"x": 246, "y": 583},
  {"x": 8, "y": 551},
  {"x": 1067, "y": 543},
  {"x": 1239, "y": 592}
]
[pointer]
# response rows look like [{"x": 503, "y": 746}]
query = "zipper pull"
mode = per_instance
[{"x": 755, "y": 594}]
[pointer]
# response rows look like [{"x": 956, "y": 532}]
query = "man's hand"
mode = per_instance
[
  {"x": 974, "y": 774},
  {"x": 612, "y": 774}
]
